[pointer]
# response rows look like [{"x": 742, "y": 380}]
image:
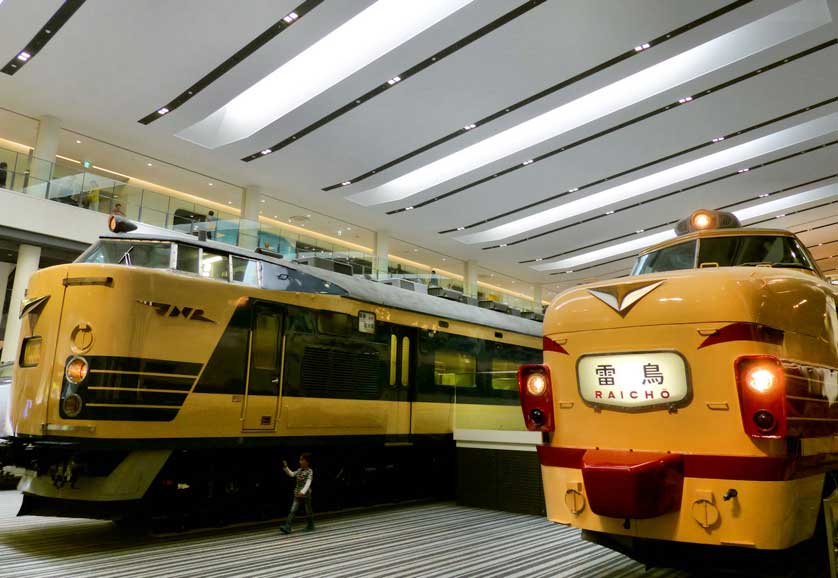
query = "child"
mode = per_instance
[{"x": 302, "y": 491}]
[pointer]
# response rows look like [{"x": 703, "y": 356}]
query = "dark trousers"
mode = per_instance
[{"x": 295, "y": 505}]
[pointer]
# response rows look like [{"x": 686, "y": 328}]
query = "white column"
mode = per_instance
[
  {"x": 470, "y": 280},
  {"x": 249, "y": 224},
  {"x": 46, "y": 147},
  {"x": 5, "y": 270},
  {"x": 28, "y": 257},
  {"x": 380, "y": 260},
  {"x": 536, "y": 296}
]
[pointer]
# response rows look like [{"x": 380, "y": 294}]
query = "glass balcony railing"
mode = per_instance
[{"x": 75, "y": 185}]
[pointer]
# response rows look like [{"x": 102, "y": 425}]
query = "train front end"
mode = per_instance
[{"x": 690, "y": 405}]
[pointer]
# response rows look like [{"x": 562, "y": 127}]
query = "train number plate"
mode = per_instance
[{"x": 633, "y": 380}]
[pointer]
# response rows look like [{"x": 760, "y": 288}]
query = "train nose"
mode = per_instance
[{"x": 621, "y": 484}]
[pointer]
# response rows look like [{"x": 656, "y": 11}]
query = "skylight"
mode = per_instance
[
  {"x": 732, "y": 156},
  {"x": 361, "y": 40},
  {"x": 718, "y": 53}
]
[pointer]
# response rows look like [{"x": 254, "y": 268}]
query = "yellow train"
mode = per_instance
[
  {"x": 689, "y": 409},
  {"x": 160, "y": 373}
]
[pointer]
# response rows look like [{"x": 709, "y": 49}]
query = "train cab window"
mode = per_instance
[
  {"x": 187, "y": 258},
  {"x": 671, "y": 258},
  {"x": 333, "y": 323},
  {"x": 151, "y": 254},
  {"x": 214, "y": 265},
  {"x": 245, "y": 271},
  {"x": 753, "y": 250},
  {"x": 300, "y": 320}
]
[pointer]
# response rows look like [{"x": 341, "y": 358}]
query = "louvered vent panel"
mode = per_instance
[{"x": 344, "y": 374}]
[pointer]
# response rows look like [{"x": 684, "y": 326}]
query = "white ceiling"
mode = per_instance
[{"x": 115, "y": 62}]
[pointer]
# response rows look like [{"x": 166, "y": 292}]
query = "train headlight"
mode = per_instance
[
  {"x": 761, "y": 379},
  {"x": 72, "y": 405},
  {"x": 536, "y": 384},
  {"x": 76, "y": 370}
]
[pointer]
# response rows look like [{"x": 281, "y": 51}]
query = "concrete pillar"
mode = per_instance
[
  {"x": 5, "y": 270},
  {"x": 46, "y": 147},
  {"x": 536, "y": 296},
  {"x": 470, "y": 279},
  {"x": 28, "y": 257},
  {"x": 249, "y": 223},
  {"x": 380, "y": 261}
]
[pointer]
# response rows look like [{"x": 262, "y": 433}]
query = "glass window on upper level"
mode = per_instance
[
  {"x": 732, "y": 251},
  {"x": 152, "y": 254}
]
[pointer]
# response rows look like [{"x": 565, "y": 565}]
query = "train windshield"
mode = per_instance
[
  {"x": 151, "y": 254},
  {"x": 733, "y": 251}
]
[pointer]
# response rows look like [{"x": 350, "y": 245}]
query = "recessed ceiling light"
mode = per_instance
[
  {"x": 362, "y": 39},
  {"x": 734, "y": 155},
  {"x": 719, "y": 139},
  {"x": 346, "y": 183},
  {"x": 745, "y": 170},
  {"x": 275, "y": 217},
  {"x": 261, "y": 200},
  {"x": 573, "y": 190},
  {"x": 78, "y": 141},
  {"x": 394, "y": 80},
  {"x": 148, "y": 164},
  {"x": 503, "y": 245},
  {"x": 671, "y": 73},
  {"x": 611, "y": 212},
  {"x": 24, "y": 56},
  {"x": 229, "y": 202},
  {"x": 210, "y": 184},
  {"x": 763, "y": 195},
  {"x": 638, "y": 231},
  {"x": 527, "y": 162},
  {"x": 290, "y": 17},
  {"x": 470, "y": 126},
  {"x": 460, "y": 228},
  {"x": 266, "y": 152},
  {"x": 408, "y": 208},
  {"x": 685, "y": 99},
  {"x": 163, "y": 110},
  {"x": 416, "y": 250}
]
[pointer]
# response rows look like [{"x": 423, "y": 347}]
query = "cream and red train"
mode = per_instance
[
  {"x": 160, "y": 373},
  {"x": 690, "y": 409}
]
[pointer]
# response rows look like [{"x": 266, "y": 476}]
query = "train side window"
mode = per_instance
[
  {"x": 453, "y": 368},
  {"x": 394, "y": 341},
  {"x": 214, "y": 265},
  {"x": 245, "y": 271},
  {"x": 504, "y": 375},
  {"x": 333, "y": 323},
  {"x": 187, "y": 258},
  {"x": 405, "y": 360},
  {"x": 300, "y": 320}
]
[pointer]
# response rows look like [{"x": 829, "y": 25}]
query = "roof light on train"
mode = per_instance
[
  {"x": 536, "y": 384},
  {"x": 706, "y": 219},
  {"x": 702, "y": 220},
  {"x": 119, "y": 224}
]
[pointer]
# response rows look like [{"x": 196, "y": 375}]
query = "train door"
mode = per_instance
[
  {"x": 264, "y": 380},
  {"x": 402, "y": 376}
]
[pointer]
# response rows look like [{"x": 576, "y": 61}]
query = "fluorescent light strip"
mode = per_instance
[
  {"x": 735, "y": 155},
  {"x": 748, "y": 213},
  {"x": 361, "y": 40},
  {"x": 718, "y": 53},
  {"x": 606, "y": 252}
]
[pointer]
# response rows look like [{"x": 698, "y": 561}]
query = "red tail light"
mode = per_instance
[
  {"x": 761, "y": 381},
  {"x": 536, "y": 393}
]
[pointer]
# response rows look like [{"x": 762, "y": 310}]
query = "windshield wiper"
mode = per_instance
[{"x": 126, "y": 256}]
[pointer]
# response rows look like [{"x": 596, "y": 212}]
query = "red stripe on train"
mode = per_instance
[{"x": 744, "y": 332}]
